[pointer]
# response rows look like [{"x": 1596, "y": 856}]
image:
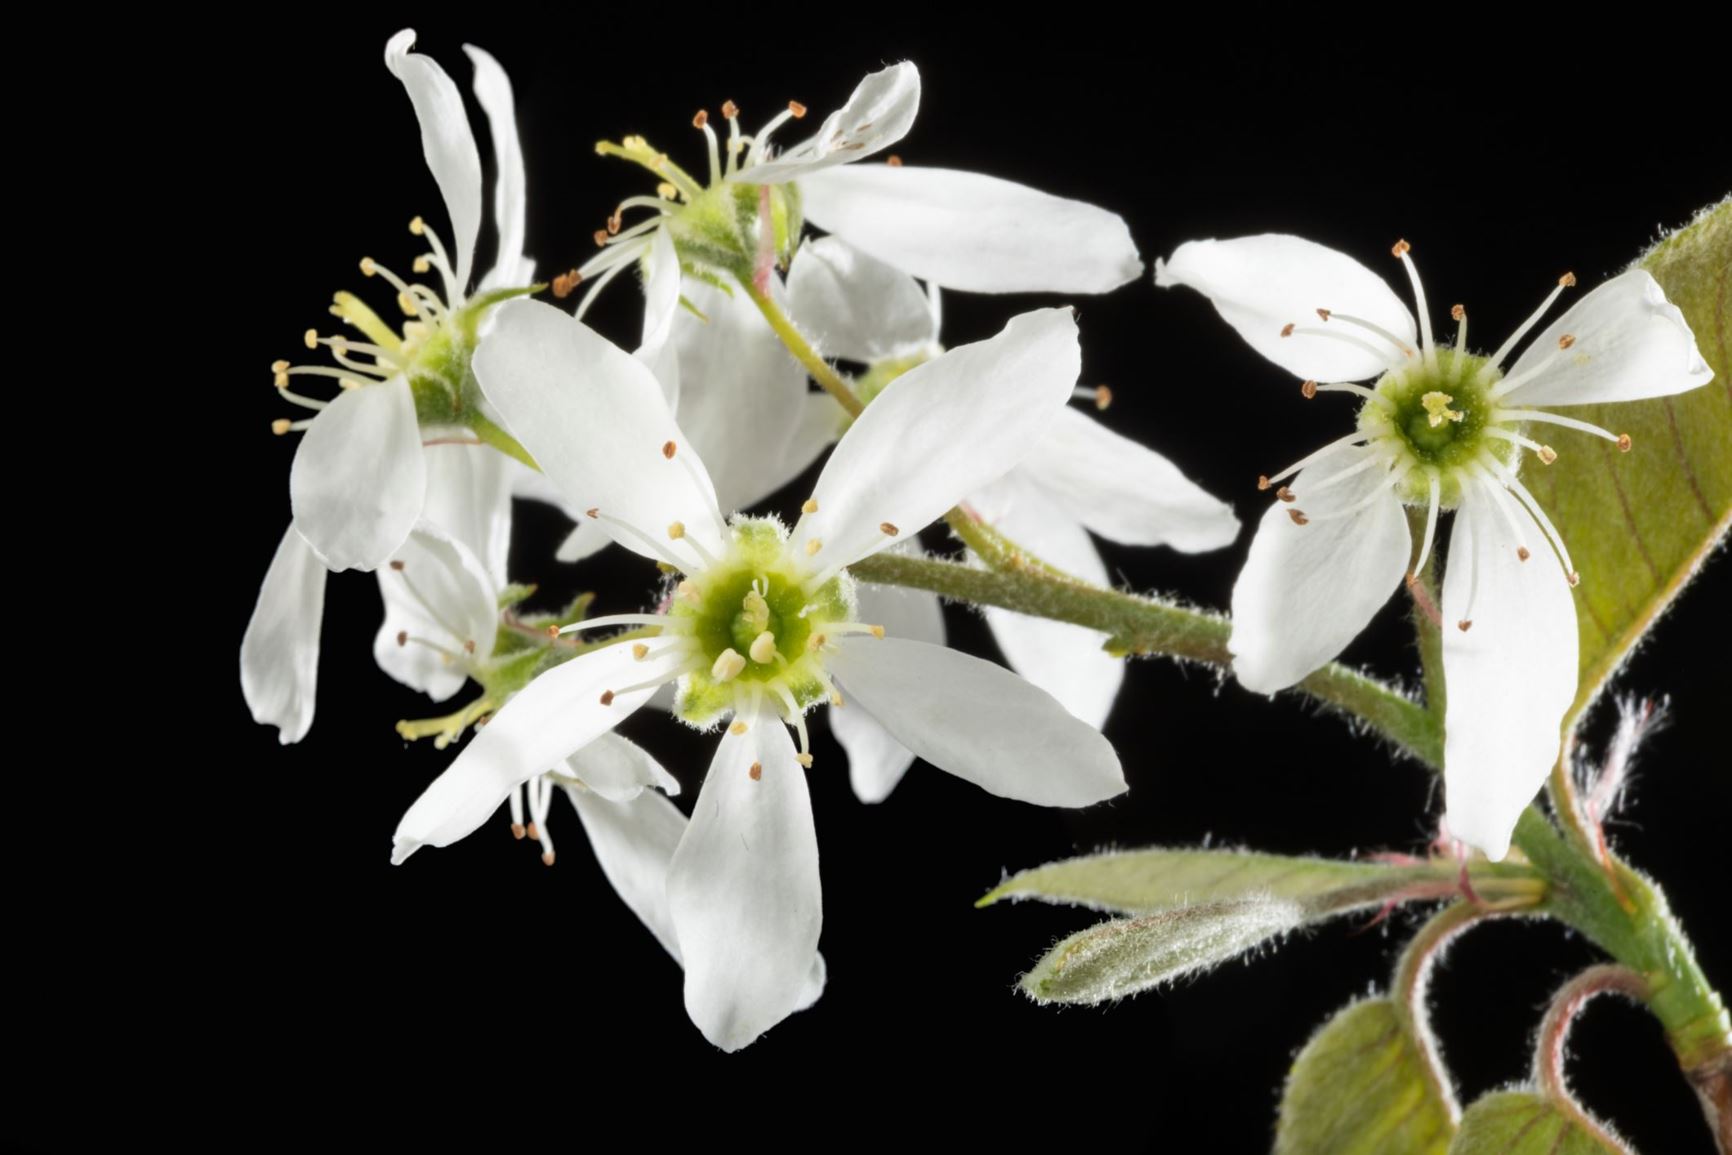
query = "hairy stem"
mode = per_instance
[
  {"x": 1566, "y": 1005},
  {"x": 1413, "y": 976},
  {"x": 821, "y": 370}
]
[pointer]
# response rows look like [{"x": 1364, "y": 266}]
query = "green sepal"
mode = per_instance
[{"x": 515, "y": 593}]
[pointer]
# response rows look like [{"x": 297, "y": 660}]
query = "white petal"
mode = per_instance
[
  {"x": 966, "y": 230},
  {"x": 280, "y": 650},
  {"x": 444, "y": 595},
  {"x": 511, "y": 269},
  {"x": 856, "y": 307},
  {"x": 1629, "y": 342},
  {"x": 1064, "y": 660},
  {"x": 877, "y": 115},
  {"x": 744, "y": 889},
  {"x": 939, "y": 432},
  {"x": 661, "y": 293},
  {"x": 1124, "y": 491},
  {"x": 634, "y": 841},
  {"x": 446, "y": 141},
  {"x": 557, "y": 713},
  {"x": 978, "y": 721},
  {"x": 1510, "y": 677},
  {"x": 822, "y": 423},
  {"x": 877, "y": 761},
  {"x": 1307, "y": 590},
  {"x": 742, "y": 395},
  {"x": 360, "y": 476},
  {"x": 469, "y": 496},
  {"x": 1261, "y": 284},
  {"x": 586, "y": 539},
  {"x": 597, "y": 422},
  {"x": 618, "y": 769}
]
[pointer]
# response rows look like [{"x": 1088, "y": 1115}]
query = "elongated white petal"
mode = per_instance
[
  {"x": 1125, "y": 491},
  {"x": 469, "y": 496},
  {"x": 1307, "y": 590},
  {"x": 280, "y": 650},
  {"x": 360, "y": 476},
  {"x": 511, "y": 269},
  {"x": 877, "y": 761},
  {"x": 966, "y": 230},
  {"x": 877, "y": 115},
  {"x": 1064, "y": 660},
  {"x": 742, "y": 395},
  {"x": 1510, "y": 677},
  {"x": 554, "y": 715},
  {"x": 1261, "y": 284},
  {"x": 822, "y": 423},
  {"x": 443, "y": 595},
  {"x": 618, "y": 769},
  {"x": 744, "y": 889},
  {"x": 634, "y": 841},
  {"x": 661, "y": 292},
  {"x": 1626, "y": 342},
  {"x": 585, "y": 540},
  {"x": 597, "y": 422},
  {"x": 978, "y": 721},
  {"x": 939, "y": 432},
  {"x": 446, "y": 141},
  {"x": 857, "y": 307}
]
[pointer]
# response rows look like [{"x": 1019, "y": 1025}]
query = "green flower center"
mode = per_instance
[{"x": 1436, "y": 418}]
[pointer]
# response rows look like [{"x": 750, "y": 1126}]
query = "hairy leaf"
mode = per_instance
[{"x": 1522, "y": 1123}]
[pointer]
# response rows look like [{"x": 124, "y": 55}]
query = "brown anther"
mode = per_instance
[
  {"x": 533, "y": 831},
  {"x": 1546, "y": 454},
  {"x": 600, "y": 237},
  {"x": 1566, "y": 340},
  {"x": 281, "y": 426},
  {"x": 729, "y": 110},
  {"x": 756, "y": 772},
  {"x": 1287, "y": 329},
  {"x": 877, "y": 631},
  {"x": 397, "y": 565},
  {"x": 1284, "y": 494},
  {"x": 469, "y": 646},
  {"x": 517, "y": 830},
  {"x": 1574, "y": 578},
  {"x": 1522, "y": 552},
  {"x": 1400, "y": 249},
  {"x": 565, "y": 283},
  {"x": 553, "y": 631},
  {"x": 547, "y": 858},
  {"x": 1567, "y": 280},
  {"x": 893, "y": 161},
  {"x": 592, "y": 512},
  {"x": 402, "y": 637},
  {"x": 1464, "y": 625},
  {"x": 607, "y": 697},
  {"x": 804, "y": 760},
  {"x": 1308, "y": 390},
  {"x": 669, "y": 449},
  {"x": 810, "y": 505},
  {"x": 1624, "y": 443},
  {"x": 1458, "y": 313},
  {"x": 1298, "y": 516},
  {"x": 798, "y": 109},
  {"x": 639, "y": 651},
  {"x": 613, "y": 223},
  {"x": 887, "y": 529},
  {"x": 1262, "y": 482},
  {"x": 1323, "y": 313},
  {"x": 700, "y": 118},
  {"x": 1103, "y": 396}
]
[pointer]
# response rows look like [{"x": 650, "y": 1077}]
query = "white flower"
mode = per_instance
[
  {"x": 962, "y": 230},
  {"x": 359, "y": 476},
  {"x": 763, "y": 627},
  {"x": 1078, "y": 476},
  {"x": 1443, "y": 428}
]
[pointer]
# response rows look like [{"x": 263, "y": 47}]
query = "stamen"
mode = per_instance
[
  {"x": 1459, "y": 312},
  {"x": 1392, "y": 478},
  {"x": 1503, "y": 350},
  {"x": 294, "y": 398},
  {"x": 810, "y": 505},
  {"x": 797, "y": 109},
  {"x": 407, "y": 299},
  {"x": 1290, "y": 330},
  {"x": 283, "y": 425},
  {"x": 1513, "y": 483},
  {"x": 1308, "y": 389},
  {"x": 565, "y": 284},
  {"x": 453, "y": 291},
  {"x": 1339, "y": 443},
  {"x": 542, "y": 799},
  {"x": 761, "y": 143},
  {"x": 893, "y": 161},
  {"x": 1545, "y": 453},
  {"x": 516, "y": 800},
  {"x": 611, "y": 620},
  {"x": 1437, "y": 410},
  {"x": 649, "y": 543},
  {"x": 1370, "y": 460},
  {"x": 1426, "y": 343},
  {"x": 728, "y": 665},
  {"x": 1101, "y": 395},
  {"x": 432, "y": 612},
  {"x": 763, "y": 649},
  {"x": 1502, "y": 501},
  {"x": 888, "y": 529},
  {"x": 1369, "y": 326},
  {"x": 627, "y": 257},
  {"x": 1349, "y": 387},
  {"x": 1621, "y": 440},
  {"x": 1434, "y": 493},
  {"x": 639, "y": 651},
  {"x": 702, "y": 120},
  {"x": 797, "y": 719},
  {"x": 1285, "y": 494}
]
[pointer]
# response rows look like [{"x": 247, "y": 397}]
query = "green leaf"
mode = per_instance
[
  {"x": 1360, "y": 1088},
  {"x": 1126, "y": 956},
  {"x": 1522, "y": 1123},
  {"x": 1142, "y": 881},
  {"x": 1639, "y": 524}
]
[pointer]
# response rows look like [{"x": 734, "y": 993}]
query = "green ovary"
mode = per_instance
[
  {"x": 756, "y": 589},
  {"x": 1436, "y": 417}
]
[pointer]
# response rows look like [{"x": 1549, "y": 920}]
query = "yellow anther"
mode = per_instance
[
  {"x": 1103, "y": 397},
  {"x": 813, "y": 546},
  {"x": 728, "y": 665},
  {"x": 417, "y": 226},
  {"x": 600, "y": 237},
  {"x": 1547, "y": 454},
  {"x": 877, "y": 631},
  {"x": 763, "y": 649},
  {"x": 677, "y": 530},
  {"x": 406, "y": 303},
  {"x": 1624, "y": 443},
  {"x": 835, "y": 698},
  {"x": 422, "y": 265},
  {"x": 311, "y": 337},
  {"x": 737, "y": 728},
  {"x": 1567, "y": 280},
  {"x": 281, "y": 381},
  {"x": 667, "y": 191},
  {"x": 281, "y": 426},
  {"x": 279, "y": 367},
  {"x": 755, "y": 610},
  {"x": 368, "y": 268},
  {"x": 804, "y": 760},
  {"x": 1522, "y": 552},
  {"x": 639, "y": 651},
  {"x": 810, "y": 505}
]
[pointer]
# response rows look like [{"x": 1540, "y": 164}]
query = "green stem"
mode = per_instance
[
  {"x": 1138, "y": 625},
  {"x": 1427, "y": 630},
  {"x": 821, "y": 370},
  {"x": 1413, "y": 975}
]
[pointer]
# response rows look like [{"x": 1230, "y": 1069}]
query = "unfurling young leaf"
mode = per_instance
[
  {"x": 1125, "y": 956},
  {"x": 1359, "y": 1088},
  {"x": 1522, "y": 1123},
  {"x": 1639, "y": 524}
]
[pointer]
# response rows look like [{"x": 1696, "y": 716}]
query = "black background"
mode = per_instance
[{"x": 356, "y": 998}]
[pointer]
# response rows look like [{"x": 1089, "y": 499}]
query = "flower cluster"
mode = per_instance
[{"x": 754, "y": 624}]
